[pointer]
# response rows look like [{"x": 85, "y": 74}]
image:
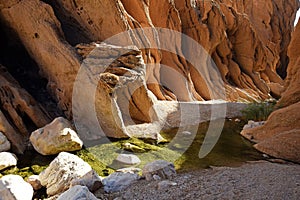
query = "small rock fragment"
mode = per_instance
[
  {"x": 165, "y": 184},
  {"x": 35, "y": 182}
]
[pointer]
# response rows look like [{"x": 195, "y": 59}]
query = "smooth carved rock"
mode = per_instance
[
  {"x": 64, "y": 171},
  {"x": 7, "y": 160},
  {"x": 291, "y": 94},
  {"x": 77, "y": 192},
  {"x": 4, "y": 143},
  {"x": 159, "y": 169},
  {"x": 56, "y": 137},
  {"x": 13, "y": 187},
  {"x": 116, "y": 82}
]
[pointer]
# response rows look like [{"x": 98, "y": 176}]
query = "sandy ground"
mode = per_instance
[{"x": 257, "y": 180}]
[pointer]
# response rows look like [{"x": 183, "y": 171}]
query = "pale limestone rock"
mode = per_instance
[
  {"x": 64, "y": 171},
  {"x": 253, "y": 124},
  {"x": 56, "y": 137},
  {"x": 13, "y": 187},
  {"x": 129, "y": 159},
  {"x": 4, "y": 143},
  {"x": 7, "y": 160},
  {"x": 77, "y": 192}
]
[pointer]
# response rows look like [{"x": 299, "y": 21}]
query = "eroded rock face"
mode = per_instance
[
  {"x": 13, "y": 99},
  {"x": 56, "y": 137},
  {"x": 280, "y": 136},
  {"x": 247, "y": 41}
]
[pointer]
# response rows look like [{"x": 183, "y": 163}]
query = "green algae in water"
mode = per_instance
[
  {"x": 147, "y": 152},
  {"x": 30, "y": 163},
  {"x": 230, "y": 150},
  {"x": 96, "y": 165}
]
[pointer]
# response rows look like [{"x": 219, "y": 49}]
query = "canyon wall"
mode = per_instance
[
  {"x": 280, "y": 135},
  {"x": 247, "y": 40}
]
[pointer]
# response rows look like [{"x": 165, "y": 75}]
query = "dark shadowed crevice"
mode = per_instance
[
  {"x": 24, "y": 69},
  {"x": 74, "y": 33}
]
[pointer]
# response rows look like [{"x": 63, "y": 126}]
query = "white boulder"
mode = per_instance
[
  {"x": 253, "y": 124},
  {"x": 13, "y": 187},
  {"x": 7, "y": 160},
  {"x": 67, "y": 170},
  {"x": 128, "y": 159},
  {"x": 56, "y": 137}
]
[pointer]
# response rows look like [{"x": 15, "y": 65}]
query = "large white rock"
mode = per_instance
[
  {"x": 118, "y": 181},
  {"x": 128, "y": 159},
  {"x": 4, "y": 143},
  {"x": 77, "y": 192},
  {"x": 159, "y": 169},
  {"x": 56, "y": 137},
  {"x": 7, "y": 160},
  {"x": 67, "y": 170},
  {"x": 13, "y": 187},
  {"x": 253, "y": 124}
]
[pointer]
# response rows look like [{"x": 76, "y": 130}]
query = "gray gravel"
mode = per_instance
[{"x": 259, "y": 180}]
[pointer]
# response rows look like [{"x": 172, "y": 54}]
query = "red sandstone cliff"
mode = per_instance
[
  {"x": 247, "y": 40},
  {"x": 280, "y": 136}
]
